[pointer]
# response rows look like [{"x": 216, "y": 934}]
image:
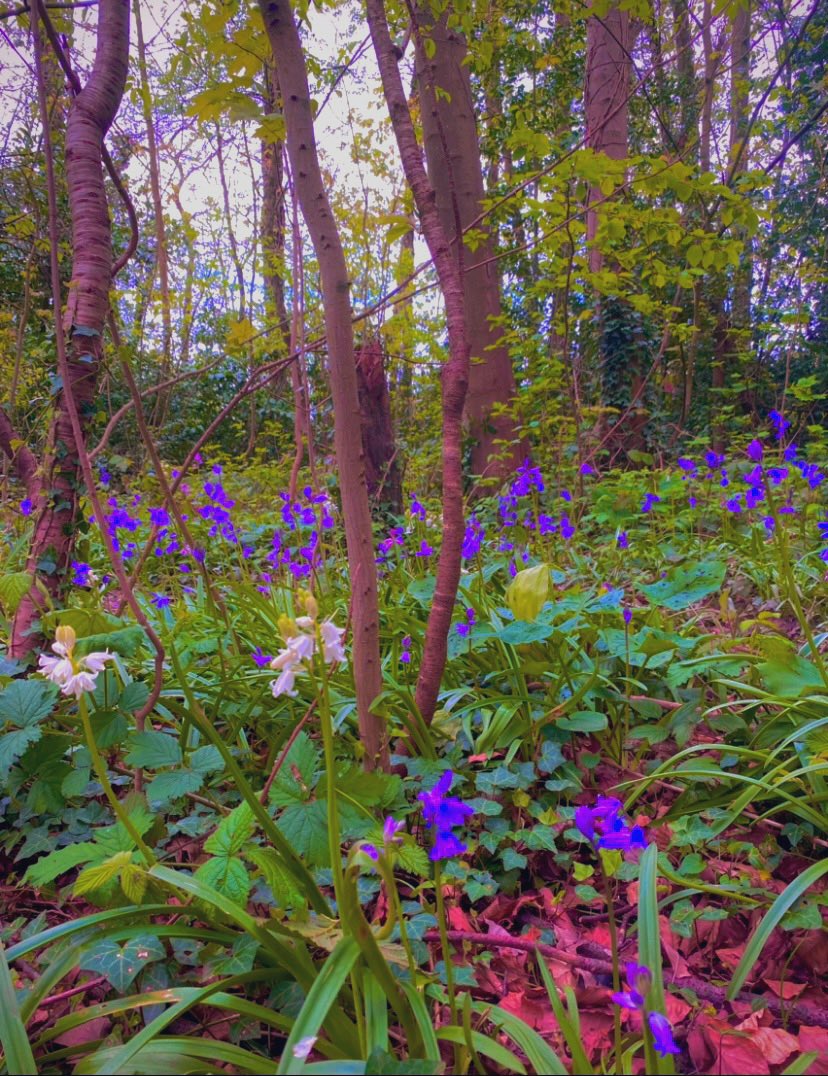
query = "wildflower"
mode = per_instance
[
  {"x": 332, "y": 650},
  {"x": 464, "y": 629},
  {"x": 260, "y": 658},
  {"x": 713, "y": 460},
  {"x": 639, "y": 979},
  {"x": 604, "y": 827},
  {"x": 649, "y": 500},
  {"x": 755, "y": 451},
  {"x": 443, "y": 813},
  {"x": 74, "y": 675},
  {"x": 159, "y": 517},
  {"x": 622, "y": 540},
  {"x": 473, "y": 538},
  {"x": 300, "y": 646},
  {"x": 567, "y": 528},
  {"x": 26, "y": 506},
  {"x": 161, "y": 601},
  {"x": 627, "y": 615},
  {"x": 390, "y": 830},
  {"x": 662, "y": 1032},
  {"x": 587, "y": 469},
  {"x": 405, "y": 655},
  {"x": 527, "y": 479},
  {"x": 566, "y": 495},
  {"x": 780, "y": 422},
  {"x": 692, "y": 502},
  {"x": 81, "y": 573},
  {"x": 425, "y": 549},
  {"x": 417, "y": 508}
]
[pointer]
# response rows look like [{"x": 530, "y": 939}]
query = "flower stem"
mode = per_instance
[
  {"x": 103, "y": 777},
  {"x": 616, "y": 970},
  {"x": 444, "y": 943}
]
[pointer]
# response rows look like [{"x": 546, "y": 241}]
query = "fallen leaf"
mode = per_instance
[
  {"x": 785, "y": 989},
  {"x": 815, "y": 1039}
]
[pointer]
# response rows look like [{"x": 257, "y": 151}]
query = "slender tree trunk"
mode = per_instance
[
  {"x": 161, "y": 260},
  {"x": 56, "y": 509},
  {"x": 452, "y": 150},
  {"x": 455, "y": 372},
  {"x": 316, "y": 209},
  {"x": 378, "y": 443}
]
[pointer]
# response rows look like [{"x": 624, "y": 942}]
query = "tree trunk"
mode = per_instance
[
  {"x": 316, "y": 210},
  {"x": 161, "y": 260},
  {"x": 455, "y": 372},
  {"x": 452, "y": 152},
  {"x": 56, "y": 506},
  {"x": 607, "y": 88},
  {"x": 378, "y": 442}
]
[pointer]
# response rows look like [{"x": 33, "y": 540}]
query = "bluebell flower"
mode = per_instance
[
  {"x": 692, "y": 501},
  {"x": 663, "y": 1041},
  {"x": 713, "y": 460},
  {"x": 566, "y": 495},
  {"x": 104, "y": 476},
  {"x": 444, "y": 813},
  {"x": 546, "y": 524},
  {"x": 604, "y": 827},
  {"x": 405, "y": 654},
  {"x": 161, "y": 601},
  {"x": 425, "y": 549},
  {"x": 587, "y": 469},
  {"x": 80, "y": 577},
  {"x": 780, "y": 422},
  {"x": 159, "y": 517},
  {"x": 260, "y": 658},
  {"x": 567, "y": 528},
  {"x": 649, "y": 500},
  {"x": 755, "y": 451},
  {"x": 417, "y": 509},
  {"x": 639, "y": 978},
  {"x": 527, "y": 479},
  {"x": 473, "y": 538},
  {"x": 26, "y": 506},
  {"x": 688, "y": 466},
  {"x": 622, "y": 540},
  {"x": 627, "y": 615}
]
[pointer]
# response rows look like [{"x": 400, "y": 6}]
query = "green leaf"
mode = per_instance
[
  {"x": 305, "y": 827},
  {"x": 783, "y": 903},
  {"x": 583, "y": 721},
  {"x": 133, "y": 697},
  {"x": 205, "y": 760},
  {"x": 792, "y": 677},
  {"x": 60, "y": 861},
  {"x": 25, "y": 702},
  {"x": 281, "y": 883},
  {"x": 540, "y": 1055},
  {"x": 13, "y": 745},
  {"x": 172, "y": 784},
  {"x": 520, "y": 632},
  {"x": 13, "y": 587},
  {"x": 124, "y": 641},
  {"x": 321, "y": 996},
  {"x": 381, "y": 1063},
  {"x": 232, "y": 833},
  {"x": 686, "y": 585},
  {"x": 228, "y": 876},
  {"x": 422, "y": 590},
  {"x": 152, "y": 750},
  {"x": 121, "y": 964},
  {"x": 13, "y": 1036},
  {"x": 101, "y": 874},
  {"x": 304, "y": 758}
]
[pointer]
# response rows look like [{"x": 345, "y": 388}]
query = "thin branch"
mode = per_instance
[{"x": 25, "y": 9}]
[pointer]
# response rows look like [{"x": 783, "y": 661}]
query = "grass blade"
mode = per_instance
[{"x": 19, "y": 1057}]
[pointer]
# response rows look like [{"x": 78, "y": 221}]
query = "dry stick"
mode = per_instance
[
  {"x": 71, "y": 407},
  {"x": 64, "y": 994},
  {"x": 800, "y": 1013},
  {"x": 280, "y": 761}
]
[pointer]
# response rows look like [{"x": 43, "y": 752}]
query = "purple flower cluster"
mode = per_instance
[
  {"x": 464, "y": 628},
  {"x": 390, "y": 837},
  {"x": 405, "y": 652},
  {"x": 443, "y": 814},
  {"x": 605, "y": 828}
]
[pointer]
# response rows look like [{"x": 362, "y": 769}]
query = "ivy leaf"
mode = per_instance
[
  {"x": 228, "y": 876},
  {"x": 120, "y": 964},
  {"x": 151, "y": 750},
  {"x": 686, "y": 585}
]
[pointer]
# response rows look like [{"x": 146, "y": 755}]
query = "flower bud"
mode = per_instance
[
  {"x": 528, "y": 591},
  {"x": 65, "y": 635}
]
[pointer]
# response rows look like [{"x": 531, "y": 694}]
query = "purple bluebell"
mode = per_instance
[
  {"x": 527, "y": 478},
  {"x": 663, "y": 1041},
  {"x": 80, "y": 576},
  {"x": 161, "y": 601},
  {"x": 566, "y": 495},
  {"x": 26, "y": 506},
  {"x": 425, "y": 549},
  {"x": 586, "y": 468},
  {"x": 260, "y": 658},
  {"x": 417, "y": 508},
  {"x": 649, "y": 500},
  {"x": 639, "y": 979},
  {"x": 405, "y": 653},
  {"x": 604, "y": 827},
  {"x": 627, "y": 615},
  {"x": 755, "y": 451},
  {"x": 622, "y": 540},
  {"x": 444, "y": 813},
  {"x": 473, "y": 538},
  {"x": 780, "y": 422},
  {"x": 567, "y": 528}
]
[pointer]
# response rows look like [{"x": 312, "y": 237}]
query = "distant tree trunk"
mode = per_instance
[
  {"x": 161, "y": 260},
  {"x": 455, "y": 374},
  {"x": 378, "y": 443},
  {"x": 688, "y": 103},
  {"x": 316, "y": 210},
  {"x": 455, "y": 170},
  {"x": 607, "y": 88},
  {"x": 56, "y": 505}
]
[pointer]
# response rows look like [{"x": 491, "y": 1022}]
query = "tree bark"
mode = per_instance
[
  {"x": 606, "y": 92},
  {"x": 57, "y": 502},
  {"x": 455, "y": 375},
  {"x": 378, "y": 443},
  {"x": 316, "y": 210},
  {"x": 452, "y": 151}
]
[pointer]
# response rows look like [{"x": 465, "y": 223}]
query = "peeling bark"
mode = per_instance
[{"x": 57, "y": 497}]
